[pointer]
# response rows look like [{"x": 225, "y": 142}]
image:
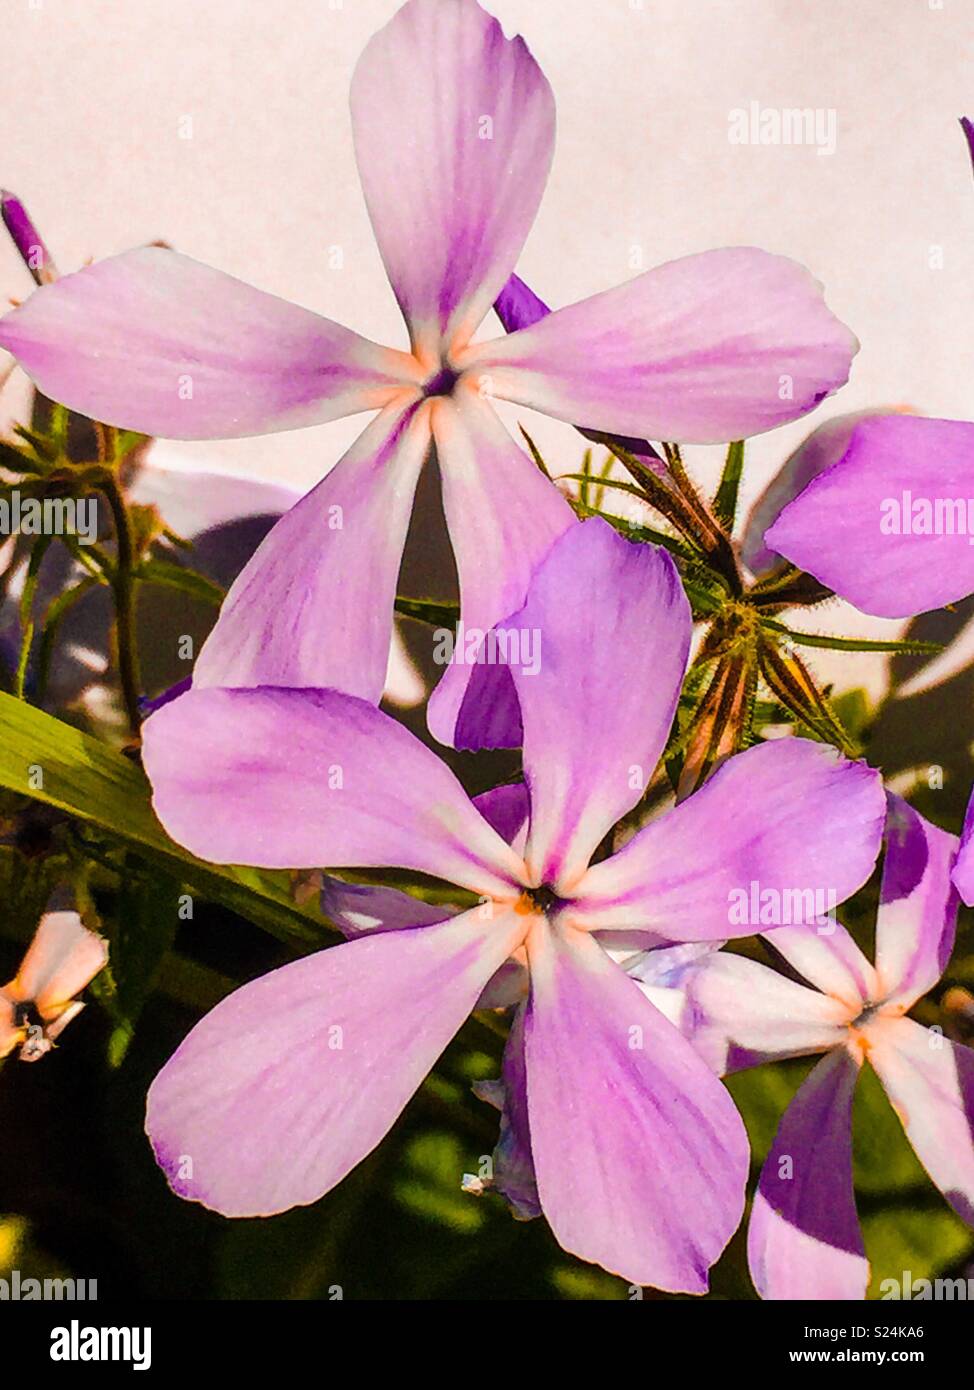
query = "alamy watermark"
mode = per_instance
[
  {"x": 49, "y": 516},
  {"x": 755, "y": 124},
  {"x": 759, "y": 907},
  {"x": 17, "y": 1289},
  {"x": 907, "y": 515},
  {"x": 472, "y": 646},
  {"x": 922, "y": 1290}
]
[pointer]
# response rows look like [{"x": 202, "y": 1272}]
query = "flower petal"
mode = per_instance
[
  {"x": 917, "y": 915},
  {"x": 705, "y": 349},
  {"x": 314, "y": 607},
  {"x": 301, "y": 778},
  {"x": 889, "y": 527},
  {"x": 640, "y": 1155},
  {"x": 359, "y": 908},
  {"x": 743, "y": 1013},
  {"x": 291, "y": 1081},
  {"x": 62, "y": 958},
  {"x": 809, "y": 840},
  {"x": 818, "y": 451},
  {"x": 828, "y": 958},
  {"x": 804, "y": 1239},
  {"x": 930, "y": 1084},
  {"x": 157, "y": 342},
  {"x": 503, "y": 518},
  {"x": 517, "y": 306},
  {"x": 513, "y": 1164},
  {"x": 610, "y": 628},
  {"x": 506, "y": 808},
  {"x": 454, "y": 131},
  {"x": 964, "y": 867}
]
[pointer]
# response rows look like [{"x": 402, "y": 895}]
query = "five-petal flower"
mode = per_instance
[
  {"x": 804, "y": 1239},
  {"x": 638, "y": 1155},
  {"x": 454, "y": 132}
]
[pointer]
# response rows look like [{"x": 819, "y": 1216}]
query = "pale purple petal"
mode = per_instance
[
  {"x": 930, "y": 1084},
  {"x": 890, "y": 527},
  {"x": 828, "y": 958},
  {"x": 154, "y": 341},
  {"x": 291, "y": 1081},
  {"x": 517, "y": 306},
  {"x": 809, "y": 839},
  {"x": 917, "y": 915},
  {"x": 304, "y": 779},
  {"x": 314, "y": 607},
  {"x": 743, "y": 1013},
  {"x": 804, "y": 1240},
  {"x": 705, "y": 349},
  {"x": 503, "y": 517},
  {"x": 454, "y": 130},
  {"x": 640, "y": 1156},
  {"x": 610, "y": 627},
  {"x": 823, "y": 447}
]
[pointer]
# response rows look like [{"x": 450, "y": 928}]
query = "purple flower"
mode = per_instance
[
  {"x": 637, "y": 1155},
  {"x": 804, "y": 1239},
  {"x": 454, "y": 132}
]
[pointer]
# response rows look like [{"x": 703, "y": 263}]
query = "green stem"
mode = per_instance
[{"x": 123, "y": 585}]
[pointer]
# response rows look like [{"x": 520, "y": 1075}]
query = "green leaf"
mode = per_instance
[
  {"x": 146, "y": 917},
  {"x": 187, "y": 581},
  {"x": 849, "y": 644},
  {"x": 725, "y": 501},
  {"x": 426, "y": 610},
  {"x": 52, "y": 762}
]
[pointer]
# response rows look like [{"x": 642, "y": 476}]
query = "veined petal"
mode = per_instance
[
  {"x": 610, "y": 626},
  {"x": 640, "y": 1155},
  {"x": 454, "y": 131},
  {"x": 889, "y": 527},
  {"x": 301, "y": 778},
  {"x": 314, "y": 607},
  {"x": 517, "y": 306},
  {"x": 804, "y": 1239},
  {"x": 503, "y": 518},
  {"x": 809, "y": 840},
  {"x": 291, "y": 1081},
  {"x": 743, "y": 1013},
  {"x": 917, "y": 915},
  {"x": 930, "y": 1084},
  {"x": 62, "y": 958},
  {"x": 828, "y": 958},
  {"x": 154, "y": 341},
  {"x": 703, "y": 350}
]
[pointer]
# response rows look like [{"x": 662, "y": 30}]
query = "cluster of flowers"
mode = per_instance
[{"x": 626, "y": 1012}]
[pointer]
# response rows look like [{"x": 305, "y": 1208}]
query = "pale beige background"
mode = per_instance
[{"x": 95, "y": 95}]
